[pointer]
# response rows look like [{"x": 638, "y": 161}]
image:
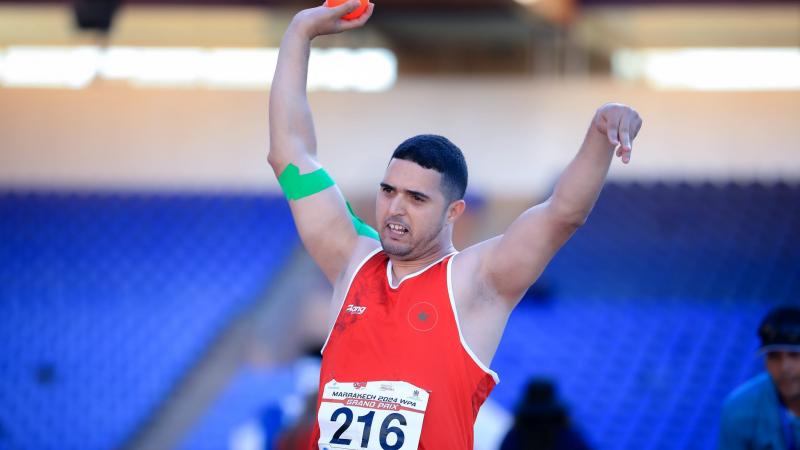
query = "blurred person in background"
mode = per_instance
[
  {"x": 542, "y": 422},
  {"x": 297, "y": 435},
  {"x": 285, "y": 421},
  {"x": 764, "y": 413},
  {"x": 414, "y": 323}
]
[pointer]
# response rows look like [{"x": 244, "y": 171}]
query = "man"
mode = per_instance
[
  {"x": 764, "y": 413},
  {"x": 415, "y": 324},
  {"x": 542, "y": 422}
]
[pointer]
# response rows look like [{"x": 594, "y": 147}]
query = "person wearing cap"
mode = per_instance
[
  {"x": 542, "y": 422},
  {"x": 764, "y": 412}
]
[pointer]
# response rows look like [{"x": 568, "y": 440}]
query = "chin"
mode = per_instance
[
  {"x": 790, "y": 391},
  {"x": 794, "y": 392},
  {"x": 398, "y": 251}
]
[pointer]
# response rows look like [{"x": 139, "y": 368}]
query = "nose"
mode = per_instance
[
  {"x": 783, "y": 365},
  {"x": 397, "y": 206},
  {"x": 787, "y": 365}
]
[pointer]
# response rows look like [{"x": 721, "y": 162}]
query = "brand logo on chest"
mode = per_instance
[{"x": 354, "y": 309}]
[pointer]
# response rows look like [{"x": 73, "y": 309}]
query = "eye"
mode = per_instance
[
  {"x": 417, "y": 198},
  {"x": 386, "y": 189}
]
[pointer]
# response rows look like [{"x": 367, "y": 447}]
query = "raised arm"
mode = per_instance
[
  {"x": 320, "y": 212},
  {"x": 510, "y": 263}
]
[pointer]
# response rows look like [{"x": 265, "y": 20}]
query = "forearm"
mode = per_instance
[
  {"x": 291, "y": 125},
  {"x": 580, "y": 184}
]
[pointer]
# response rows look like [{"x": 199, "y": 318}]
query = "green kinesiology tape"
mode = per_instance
[
  {"x": 296, "y": 186},
  {"x": 361, "y": 228}
]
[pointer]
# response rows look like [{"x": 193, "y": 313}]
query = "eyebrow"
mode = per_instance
[{"x": 408, "y": 191}]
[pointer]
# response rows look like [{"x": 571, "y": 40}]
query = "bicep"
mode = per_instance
[
  {"x": 324, "y": 223},
  {"x": 514, "y": 261}
]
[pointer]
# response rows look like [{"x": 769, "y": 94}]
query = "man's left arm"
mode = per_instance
[{"x": 511, "y": 263}]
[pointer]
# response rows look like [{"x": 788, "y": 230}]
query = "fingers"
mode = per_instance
[
  {"x": 622, "y": 124},
  {"x": 612, "y": 127},
  {"x": 359, "y": 21},
  {"x": 345, "y": 8},
  {"x": 636, "y": 125},
  {"x": 625, "y": 137},
  {"x": 327, "y": 19}
]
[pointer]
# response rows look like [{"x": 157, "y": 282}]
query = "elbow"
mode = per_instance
[
  {"x": 272, "y": 158},
  {"x": 281, "y": 153},
  {"x": 578, "y": 219},
  {"x": 276, "y": 160},
  {"x": 569, "y": 216},
  {"x": 572, "y": 223}
]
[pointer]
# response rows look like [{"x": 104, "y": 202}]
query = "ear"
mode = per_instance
[{"x": 455, "y": 210}]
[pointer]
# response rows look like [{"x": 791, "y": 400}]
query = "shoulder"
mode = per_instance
[
  {"x": 470, "y": 262},
  {"x": 366, "y": 249},
  {"x": 744, "y": 402},
  {"x": 472, "y": 271}
]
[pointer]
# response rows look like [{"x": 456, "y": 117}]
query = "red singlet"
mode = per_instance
[{"x": 407, "y": 333}]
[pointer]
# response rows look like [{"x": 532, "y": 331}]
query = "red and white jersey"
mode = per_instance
[{"x": 395, "y": 368}]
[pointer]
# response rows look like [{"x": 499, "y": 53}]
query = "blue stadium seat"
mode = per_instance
[{"x": 106, "y": 299}]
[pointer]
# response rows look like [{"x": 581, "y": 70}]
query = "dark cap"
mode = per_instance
[{"x": 780, "y": 330}]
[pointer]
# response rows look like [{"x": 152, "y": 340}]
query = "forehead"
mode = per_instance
[{"x": 407, "y": 175}]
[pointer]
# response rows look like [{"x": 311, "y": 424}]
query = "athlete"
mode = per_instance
[{"x": 414, "y": 323}]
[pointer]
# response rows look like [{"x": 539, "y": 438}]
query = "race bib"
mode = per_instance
[{"x": 382, "y": 415}]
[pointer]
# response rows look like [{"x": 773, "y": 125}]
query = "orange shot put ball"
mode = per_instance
[{"x": 352, "y": 15}]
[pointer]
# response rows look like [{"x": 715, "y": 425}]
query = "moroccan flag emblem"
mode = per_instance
[{"x": 423, "y": 316}]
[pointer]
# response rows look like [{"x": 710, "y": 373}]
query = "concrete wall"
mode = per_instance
[{"x": 517, "y": 134}]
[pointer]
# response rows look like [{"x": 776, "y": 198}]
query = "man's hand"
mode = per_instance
[
  {"x": 323, "y": 20},
  {"x": 620, "y": 123}
]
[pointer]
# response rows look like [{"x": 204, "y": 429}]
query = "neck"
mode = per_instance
[{"x": 401, "y": 268}]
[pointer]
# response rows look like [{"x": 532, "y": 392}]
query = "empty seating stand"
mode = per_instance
[
  {"x": 646, "y": 319},
  {"x": 107, "y": 298}
]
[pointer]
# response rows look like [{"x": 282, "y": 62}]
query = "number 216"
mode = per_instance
[{"x": 366, "y": 419}]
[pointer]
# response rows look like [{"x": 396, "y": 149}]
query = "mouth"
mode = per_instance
[{"x": 396, "y": 229}]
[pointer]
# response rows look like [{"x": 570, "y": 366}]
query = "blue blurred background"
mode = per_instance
[{"x": 154, "y": 292}]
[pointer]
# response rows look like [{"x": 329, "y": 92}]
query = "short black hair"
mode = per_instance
[{"x": 436, "y": 152}]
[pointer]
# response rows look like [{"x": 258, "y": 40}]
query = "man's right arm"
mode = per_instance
[{"x": 322, "y": 219}]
